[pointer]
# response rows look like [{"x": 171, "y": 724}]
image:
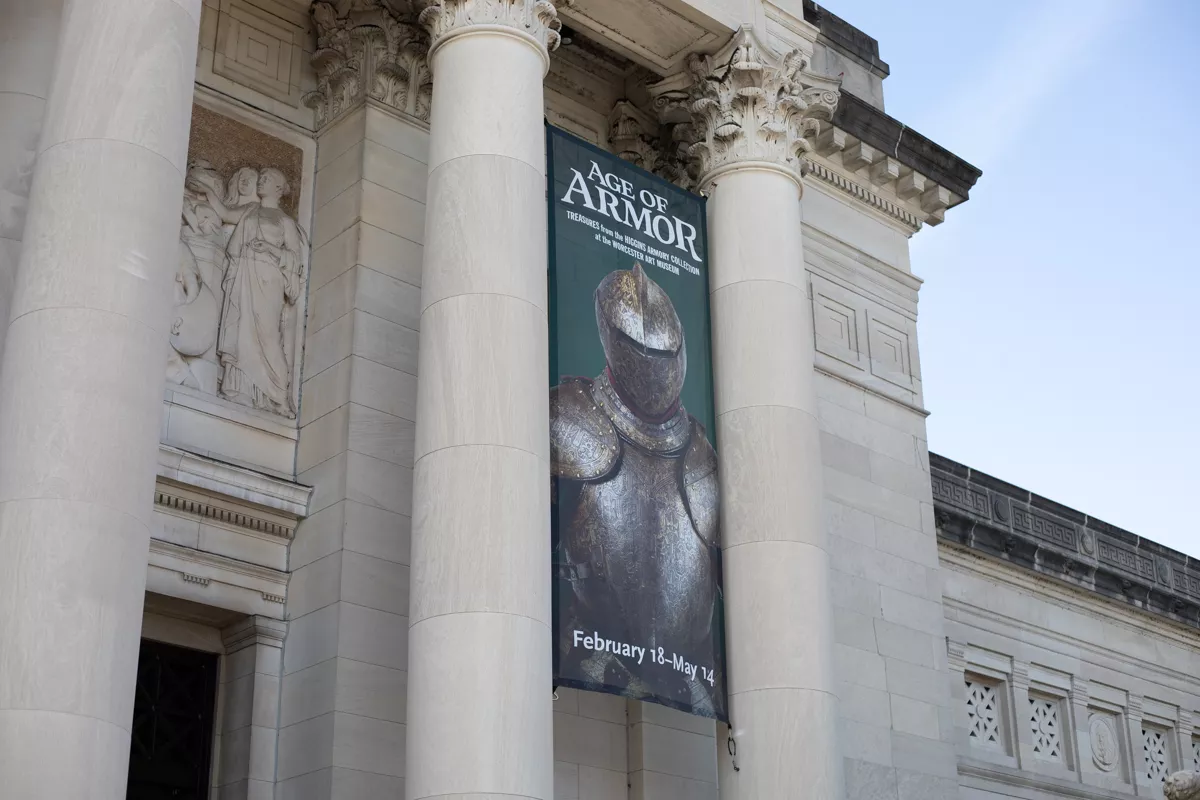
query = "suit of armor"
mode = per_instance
[{"x": 636, "y": 496}]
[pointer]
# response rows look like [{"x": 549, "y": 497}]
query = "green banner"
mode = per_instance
[{"x": 635, "y": 495}]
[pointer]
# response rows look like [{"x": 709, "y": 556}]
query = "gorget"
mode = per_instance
[{"x": 670, "y": 436}]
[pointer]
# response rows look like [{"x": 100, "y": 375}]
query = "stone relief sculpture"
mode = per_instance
[
  {"x": 1182, "y": 786},
  {"x": 240, "y": 276}
]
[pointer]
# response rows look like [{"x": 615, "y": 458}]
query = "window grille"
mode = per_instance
[
  {"x": 983, "y": 713},
  {"x": 1154, "y": 754},
  {"x": 1044, "y": 722}
]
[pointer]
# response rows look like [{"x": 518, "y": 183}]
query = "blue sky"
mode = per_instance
[{"x": 1059, "y": 329}]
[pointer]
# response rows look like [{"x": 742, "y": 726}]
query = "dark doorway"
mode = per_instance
[{"x": 172, "y": 723}]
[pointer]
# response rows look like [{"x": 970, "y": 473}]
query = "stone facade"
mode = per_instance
[
  {"x": 1072, "y": 646},
  {"x": 260, "y": 258}
]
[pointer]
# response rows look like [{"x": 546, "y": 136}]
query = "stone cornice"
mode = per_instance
[
  {"x": 892, "y": 138},
  {"x": 233, "y": 496},
  {"x": 745, "y": 104},
  {"x": 253, "y": 630},
  {"x": 895, "y": 210},
  {"x": 982, "y": 513}
]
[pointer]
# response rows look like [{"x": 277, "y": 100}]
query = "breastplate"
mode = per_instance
[
  {"x": 639, "y": 538},
  {"x": 635, "y": 530}
]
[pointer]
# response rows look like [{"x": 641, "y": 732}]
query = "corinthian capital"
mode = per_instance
[
  {"x": 538, "y": 18},
  {"x": 744, "y": 104},
  {"x": 369, "y": 48}
]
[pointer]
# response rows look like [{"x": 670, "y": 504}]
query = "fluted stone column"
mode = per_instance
[
  {"x": 479, "y": 645},
  {"x": 751, "y": 112},
  {"x": 28, "y": 42},
  {"x": 81, "y": 391}
]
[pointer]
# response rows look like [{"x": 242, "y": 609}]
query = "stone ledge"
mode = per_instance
[
  {"x": 863, "y": 121},
  {"x": 215, "y": 581},
  {"x": 999, "y": 519},
  {"x": 986, "y": 773},
  {"x": 260, "y": 502}
]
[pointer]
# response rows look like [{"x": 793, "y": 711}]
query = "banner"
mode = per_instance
[{"x": 635, "y": 496}]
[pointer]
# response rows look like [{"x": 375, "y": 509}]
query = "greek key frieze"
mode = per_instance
[
  {"x": 1044, "y": 528},
  {"x": 1131, "y": 560},
  {"x": 963, "y": 497}
]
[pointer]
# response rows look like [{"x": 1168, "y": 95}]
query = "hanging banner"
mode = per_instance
[{"x": 635, "y": 496}]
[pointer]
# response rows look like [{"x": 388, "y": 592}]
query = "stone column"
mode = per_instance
[
  {"x": 479, "y": 638},
  {"x": 81, "y": 393},
  {"x": 28, "y": 42},
  {"x": 751, "y": 113}
]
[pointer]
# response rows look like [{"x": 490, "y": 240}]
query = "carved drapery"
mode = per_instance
[
  {"x": 538, "y": 18},
  {"x": 746, "y": 103},
  {"x": 370, "y": 48},
  {"x": 241, "y": 272}
]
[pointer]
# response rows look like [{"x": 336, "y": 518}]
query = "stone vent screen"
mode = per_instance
[
  {"x": 1044, "y": 722},
  {"x": 983, "y": 714},
  {"x": 1196, "y": 754},
  {"x": 1154, "y": 754}
]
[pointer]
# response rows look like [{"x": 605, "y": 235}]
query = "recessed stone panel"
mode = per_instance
[{"x": 258, "y": 50}]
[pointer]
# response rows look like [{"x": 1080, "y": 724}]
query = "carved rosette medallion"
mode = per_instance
[
  {"x": 370, "y": 48},
  {"x": 538, "y": 18},
  {"x": 747, "y": 104}
]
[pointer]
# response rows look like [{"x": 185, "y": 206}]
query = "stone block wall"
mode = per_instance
[
  {"x": 345, "y": 660},
  {"x": 897, "y": 724}
]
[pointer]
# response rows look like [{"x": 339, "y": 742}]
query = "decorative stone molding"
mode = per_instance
[
  {"x": 214, "y": 580},
  {"x": 1053, "y": 540},
  {"x": 233, "y": 496},
  {"x": 746, "y": 103},
  {"x": 252, "y": 630},
  {"x": 1020, "y": 675},
  {"x": 1080, "y": 690},
  {"x": 865, "y": 195},
  {"x": 956, "y": 656},
  {"x": 370, "y": 48},
  {"x": 538, "y": 18}
]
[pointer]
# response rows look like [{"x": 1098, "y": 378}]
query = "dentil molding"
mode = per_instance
[{"x": 239, "y": 498}]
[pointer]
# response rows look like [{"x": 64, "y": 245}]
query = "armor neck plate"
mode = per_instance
[{"x": 665, "y": 437}]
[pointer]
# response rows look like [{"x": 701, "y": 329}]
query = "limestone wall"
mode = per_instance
[{"x": 1056, "y": 687}]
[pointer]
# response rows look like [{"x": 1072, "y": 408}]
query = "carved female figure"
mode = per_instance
[
  {"x": 242, "y": 190},
  {"x": 263, "y": 281}
]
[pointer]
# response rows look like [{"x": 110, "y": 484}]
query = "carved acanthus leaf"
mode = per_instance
[
  {"x": 632, "y": 135},
  {"x": 746, "y": 103},
  {"x": 538, "y": 18},
  {"x": 370, "y": 48}
]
